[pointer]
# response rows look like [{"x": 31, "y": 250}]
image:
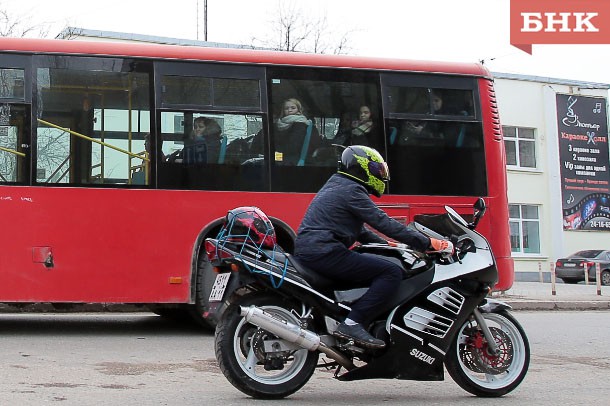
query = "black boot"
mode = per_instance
[{"x": 359, "y": 335}]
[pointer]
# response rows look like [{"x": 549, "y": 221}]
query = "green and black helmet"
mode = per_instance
[{"x": 367, "y": 166}]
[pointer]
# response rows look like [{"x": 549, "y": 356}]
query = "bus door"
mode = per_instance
[{"x": 15, "y": 96}]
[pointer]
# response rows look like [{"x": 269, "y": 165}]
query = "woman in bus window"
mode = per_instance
[
  {"x": 203, "y": 144},
  {"x": 363, "y": 132},
  {"x": 296, "y": 137},
  {"x": 421, "y": 132},
  {"x": 209, "y": 131}
]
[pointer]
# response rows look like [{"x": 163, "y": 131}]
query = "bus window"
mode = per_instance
[
  {"x": 313, "y": 110},
  {"x": 435, "y": 143},
  {"x": 436, "y": 158},
  {"x": 206, "y": 91},
  {"x": 12, "y": 84},
  {"x": 413, "y": 100},
  {"x": 211, "y": 151},
  {"x": 91, "y": 122},
  {"x": 13, "y": 135},
  {"x": 430, "y": 101}
]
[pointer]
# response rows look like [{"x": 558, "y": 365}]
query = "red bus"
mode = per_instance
[{"x": 104, "y": 199}]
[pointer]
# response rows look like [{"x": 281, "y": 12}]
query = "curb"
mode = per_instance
[{"x": 557, "y": 305}]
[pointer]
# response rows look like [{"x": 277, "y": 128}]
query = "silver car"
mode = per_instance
[{"x": 571, "y": 269}]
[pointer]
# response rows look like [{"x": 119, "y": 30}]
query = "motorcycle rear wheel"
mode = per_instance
[
  {"x": 477, "y": 371},
  {"x": 240, "y": 351}
]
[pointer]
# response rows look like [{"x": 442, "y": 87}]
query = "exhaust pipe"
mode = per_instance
[
  {"x": 292, "y": 333},
  {"x": 283, "y": 329}
]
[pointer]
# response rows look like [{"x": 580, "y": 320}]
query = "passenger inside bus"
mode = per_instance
[
  {"x": 363, "y": 130},
  {"x": 203, "y": 145},
  {"x": 207, "y": 130},
  {"x": 141, "y": 172},
  {"x": 434, "y": 132},
  {"x": 295, "y": 136},
  {"x": 83, "y": 123},
  {"x": 424, "y": 129}
]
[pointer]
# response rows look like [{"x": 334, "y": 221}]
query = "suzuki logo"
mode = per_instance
[{"x": 422, "y": 356}]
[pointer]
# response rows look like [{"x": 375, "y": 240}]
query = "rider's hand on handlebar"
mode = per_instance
[{"x": 442, "y": 247}]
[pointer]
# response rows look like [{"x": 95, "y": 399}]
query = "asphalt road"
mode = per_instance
[{"x": 128, "y": 359}]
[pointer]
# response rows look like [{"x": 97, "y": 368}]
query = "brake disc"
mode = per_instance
[
  {"x": 478, "y": 358},
  {"x": 258, "y": 344}
]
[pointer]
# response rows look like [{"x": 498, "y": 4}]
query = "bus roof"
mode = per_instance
[{"x": 177, "y": 52}]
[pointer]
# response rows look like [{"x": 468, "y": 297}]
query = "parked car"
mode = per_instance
[{"x": 571, "y": 269}]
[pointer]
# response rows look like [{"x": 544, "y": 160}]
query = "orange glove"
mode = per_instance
[{"x": 443, "y": 246}]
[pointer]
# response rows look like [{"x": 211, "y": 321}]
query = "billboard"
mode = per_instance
[{"x": 583, "y": 154}]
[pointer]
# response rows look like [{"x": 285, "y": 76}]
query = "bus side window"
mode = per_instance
[
  {"x": 90, "y": 135},
  {"x": 440, "y": 147},
  {"x": 215, "y": 155}
]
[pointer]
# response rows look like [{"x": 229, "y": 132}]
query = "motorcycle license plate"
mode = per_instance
[{"x": 220, "y": 284}]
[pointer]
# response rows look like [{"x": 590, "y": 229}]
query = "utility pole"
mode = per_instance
[{"x": 205, "y": 20}]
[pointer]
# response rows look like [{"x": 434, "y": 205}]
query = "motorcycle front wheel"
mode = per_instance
[
  {"x": 476, "y": 370},
  {"x": 255, "y": 361}
]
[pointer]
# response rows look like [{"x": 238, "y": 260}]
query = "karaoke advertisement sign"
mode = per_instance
[{"x": 583, "y": 153}]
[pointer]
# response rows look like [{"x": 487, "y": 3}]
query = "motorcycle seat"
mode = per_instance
[
  {"x": 314, "y": 278},
  {"x": 321, "y": 282}
]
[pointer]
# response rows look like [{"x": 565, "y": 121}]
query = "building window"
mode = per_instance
[
  {"x": 524, "y": 228},
  {"x": 520, "y": 145}
]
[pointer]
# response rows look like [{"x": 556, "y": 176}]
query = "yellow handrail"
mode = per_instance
[
  {"x": 93, "y": 140},
  {"x": 12, "y": 151}
]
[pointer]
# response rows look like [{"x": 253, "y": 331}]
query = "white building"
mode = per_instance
[{"x": 538, "y": 190}]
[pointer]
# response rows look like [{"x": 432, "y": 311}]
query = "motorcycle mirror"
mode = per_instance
[{"x": 479, "y": 209}]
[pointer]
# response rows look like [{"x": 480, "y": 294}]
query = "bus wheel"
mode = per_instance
[{"x": 204, "y": 282}]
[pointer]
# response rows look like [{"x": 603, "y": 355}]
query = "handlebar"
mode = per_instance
[{"x": 444, "y": 256}]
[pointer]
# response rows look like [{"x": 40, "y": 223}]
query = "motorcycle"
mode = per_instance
[{"x": 281, "y": 317}]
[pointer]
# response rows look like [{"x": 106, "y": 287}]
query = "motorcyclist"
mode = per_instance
[{"x": 335, "y": 221}]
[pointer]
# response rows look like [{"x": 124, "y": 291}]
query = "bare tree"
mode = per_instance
[
  {"x": 51, "y": 149},
  {"x": 69, "y": 33},
  {"x": 14, "y": 24},
  {"x": 292, "y": 29}
]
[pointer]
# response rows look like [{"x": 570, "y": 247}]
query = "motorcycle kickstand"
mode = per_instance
[{"x": 336, "y": 374}]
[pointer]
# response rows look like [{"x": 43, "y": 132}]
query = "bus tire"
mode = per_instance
[{"x": 204, "y": 281}]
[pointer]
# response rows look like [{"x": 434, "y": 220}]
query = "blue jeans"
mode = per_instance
[{"x": 381, "y": 275}]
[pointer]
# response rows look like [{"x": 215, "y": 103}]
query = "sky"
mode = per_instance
[{"x": 444, "y": 30}]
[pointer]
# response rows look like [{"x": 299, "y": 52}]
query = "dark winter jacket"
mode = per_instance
[
  {"x": 290, "y": 143},
  {"x": 335, "y": 221}
]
